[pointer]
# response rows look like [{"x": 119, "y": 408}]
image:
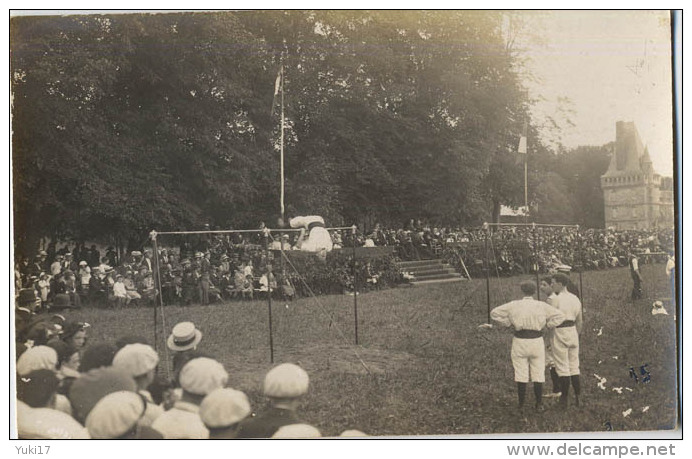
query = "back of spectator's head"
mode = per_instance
[
  {"x": 37, "y": 388},
  {"x": 353, "y": 433},
  {"x": 561, "y": 278},
  {"x": 222, "y": 410},
  {"x": 202, "y": 375},
  {"x": 130, "y": 339},
  {"x": 65, "y": 351},
  {"x": 286, "y": 381},
  {"x": 97, "y": 356},
  {"x": 528, "y": 287},
  {"x": 37, "y": 358},
  {"x": 297, "y": 431},
  {"x": 136, "y": 359},
  {"x": 115, "y": 415},
  {"x": 92, "y": 386},
  {"x": 157, "y": 389}
]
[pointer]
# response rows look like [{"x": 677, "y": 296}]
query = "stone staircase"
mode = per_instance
[{"x": 429, "y": 271}]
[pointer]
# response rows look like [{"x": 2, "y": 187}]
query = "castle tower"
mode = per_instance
[{"x": 632, "y": 191}]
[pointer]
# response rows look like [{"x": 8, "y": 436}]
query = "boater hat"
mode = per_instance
[{"x": 184, "y": 337}]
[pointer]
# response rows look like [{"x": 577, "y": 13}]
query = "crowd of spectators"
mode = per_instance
[
  {"x": 517, "y": 249},
  {"x": 220, "y": 267},
  {"x": 68, "y": 388}
]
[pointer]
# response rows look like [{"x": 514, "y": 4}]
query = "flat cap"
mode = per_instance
[
  {"x": 37, "y": 358},
  {"x": 136, "y": 359},
  {"x": 202, "y": 375},
  {"x": 286, "y": 381},
  {"x": 297, "y": 431},
  {"x": 224, "y": 407},
  {"x": 115, "y": 414}
]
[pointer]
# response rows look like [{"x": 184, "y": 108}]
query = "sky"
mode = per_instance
[{"x": 611, "y": 66}]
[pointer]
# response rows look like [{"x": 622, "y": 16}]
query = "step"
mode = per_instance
[
  {"x": 438, "y": 281},
  {"x": 409, "y": 264},
  {"x": 432, "y": 271},
  {"x": 437, "y": 276}
]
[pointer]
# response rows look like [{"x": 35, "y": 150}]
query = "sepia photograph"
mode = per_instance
[{"x": 345, "y": 224}]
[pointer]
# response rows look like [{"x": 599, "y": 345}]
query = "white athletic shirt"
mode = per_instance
[{"x": 527, "y": 314}]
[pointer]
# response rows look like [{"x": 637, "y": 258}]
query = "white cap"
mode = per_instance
[
  {"x": 37, "y": 358},
  {"x": 224, "y": 407},
  {"x": 286, "y": 381},
  {"x": 353, "y": 433},
  {"x": 115, "y": 414},
  {"x": 297, "y": 431},
  {"x": 202, "y": 375},
  {"x": 136, "y": 359}
]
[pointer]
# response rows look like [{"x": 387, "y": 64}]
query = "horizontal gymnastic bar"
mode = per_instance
[
  {"x": 259, "y": 230},
  {"x": 532, "y": 224}
]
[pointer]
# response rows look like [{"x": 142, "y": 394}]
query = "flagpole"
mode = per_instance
[
  {"x": 526, "y": 188},
  {"x": 283, "y": 213}
]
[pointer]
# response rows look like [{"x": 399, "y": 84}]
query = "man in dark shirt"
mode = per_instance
[{"x": 284, "y": 385}]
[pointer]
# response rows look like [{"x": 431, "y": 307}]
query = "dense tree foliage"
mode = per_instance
[{"x": 124, "y": 123}]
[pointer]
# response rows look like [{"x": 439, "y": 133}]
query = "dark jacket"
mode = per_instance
[{"x": 266, "y": 424}]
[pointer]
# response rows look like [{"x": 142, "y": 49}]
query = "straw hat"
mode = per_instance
[{"x": 183, "y": 337}]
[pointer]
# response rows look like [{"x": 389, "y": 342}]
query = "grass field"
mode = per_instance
[{"x": 423, "y": 367}]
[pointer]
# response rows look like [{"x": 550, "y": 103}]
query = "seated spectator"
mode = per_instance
[
  {"x": 287, "y": 289},
  {"x": 222, "y": 410},
  {"x": 119, "y": 292},
  {"x": 56, "y": 266},
  {"x": 267, "y": 280},
  {"x": 43, "y": 287},
  {"x": 146, "y": 286},
  {"x": 131, "y": 289},
  {"x": 98, "y": 290},
  {"x": 84, "y": 276},
  {"x": 198, "y": 378},
  {"x": 74, "y": 333},
  {"x": 284, "y": 385},
  {"x": 36, "y": 417}
]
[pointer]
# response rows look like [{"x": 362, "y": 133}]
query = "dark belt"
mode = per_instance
[
  {"x": 528, "y": 334},
  {"x": 315, "y": 224},
  {"x": 566, "y": 323}
]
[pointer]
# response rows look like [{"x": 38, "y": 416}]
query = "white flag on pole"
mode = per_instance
[
  {"x": 277, "y": 84},
  {"x": 522, "y": 142}
]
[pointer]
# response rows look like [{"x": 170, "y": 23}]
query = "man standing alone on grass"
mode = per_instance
[
  {"x": 636, "y": 277},
  {"x": 566, "y": 339},
  {"x": 528, "y": 317}
]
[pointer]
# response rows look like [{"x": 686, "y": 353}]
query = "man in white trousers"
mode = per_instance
[{"x": 528, "y": 317}]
